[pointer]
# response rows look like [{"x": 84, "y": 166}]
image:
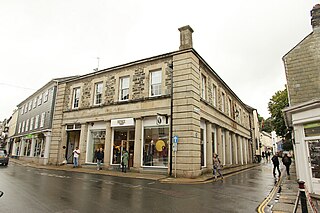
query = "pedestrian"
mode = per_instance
[
  {"x": 76, "y": 154},
  {"x": 268, "y": 156},
  {"x": 100, "y": 156},
  {"x": 216, "y": 166},
  {"x": 125, "y": 159},
  {"x": 275, "y": 161},
  {"x": 286, "y": 160}
]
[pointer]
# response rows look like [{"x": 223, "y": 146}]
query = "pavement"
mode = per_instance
[
  {"x": 92, "y": 169},
  {"x": 287, "y": 198}
]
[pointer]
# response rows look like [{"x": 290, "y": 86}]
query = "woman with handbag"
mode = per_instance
[{"x": 216, "y": 166}]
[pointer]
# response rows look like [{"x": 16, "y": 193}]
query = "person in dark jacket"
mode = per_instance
[
  {"x": 275, "y": 161},
  {"x": 286, "y": 160},
  {"x": 100, "y": 156}
]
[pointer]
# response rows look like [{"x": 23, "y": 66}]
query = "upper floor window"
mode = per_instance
[
  {"x": 124, "y": 88},
  {"x": 214, "y": 95},
  {"x": 30, "y": 105},
  {"x": 45, "y": 97},
  {"x": 76, "y": 97},
  {"x": 27, "y": 125},
  {"x": 25, "y": 108},
  {"x": 19, "y": 128},
  {"x": 39, "y": 99},
  {"x": 35, "y": 103},
  {"x": 98, "y": 93},
  {"x": 229, "y": 107},
  {"x": 31, "y": 123},
  {"x": 223, "y": 102},
  {"x": 43, "y": 115},
  {"x": 23, "y": 126},
  {"x": 22, "y": 110},
  {"x": 36, "y": 123},
  {"x": 203, "y": 86},
  {"x": 155, "y": 83}
]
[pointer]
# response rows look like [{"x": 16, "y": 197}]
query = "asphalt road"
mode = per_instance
[{"x": 38, "y": 190}]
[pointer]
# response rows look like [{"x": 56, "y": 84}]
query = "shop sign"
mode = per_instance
[
  {"x": 122, "y": 122},
  {"x": 312, "y": 129},
  {"x": 28, "y": 136}
]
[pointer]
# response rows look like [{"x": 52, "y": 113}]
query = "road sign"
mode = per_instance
[{"x": 175, "y": 139}]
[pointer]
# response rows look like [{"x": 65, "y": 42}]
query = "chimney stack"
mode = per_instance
[
  {"x": 315, "y": 16},
  {"x": 185, "y": 37}
]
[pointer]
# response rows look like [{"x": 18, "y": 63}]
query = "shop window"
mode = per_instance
[
  {"x": 156, "y": 146},
  {"x": 119, "y": 143},
  {"x": 314, "y": 152},
  {"x": 97, "y": 141},
  {"x": 27, "y": 147}
]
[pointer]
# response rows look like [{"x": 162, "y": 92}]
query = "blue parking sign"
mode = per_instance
[{"x": 175, "y": 139}]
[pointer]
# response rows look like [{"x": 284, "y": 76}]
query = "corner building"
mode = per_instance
[{"x": 129, "y": 107}]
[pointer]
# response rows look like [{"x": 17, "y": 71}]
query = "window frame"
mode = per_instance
[
  {"x": 158, "y": 84},
  {"x": 76, "y": 100},
  {"x": 97, "y": 100},
  {"x": 123, "y": 97}
]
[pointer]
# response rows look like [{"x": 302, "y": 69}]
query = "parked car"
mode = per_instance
[{"x": 4, "y": 158}]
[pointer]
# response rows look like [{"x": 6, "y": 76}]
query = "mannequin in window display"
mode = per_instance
[{"x": 150, "y": 153}]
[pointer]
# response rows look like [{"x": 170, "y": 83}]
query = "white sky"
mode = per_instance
[{"x": 242, "y": 40}]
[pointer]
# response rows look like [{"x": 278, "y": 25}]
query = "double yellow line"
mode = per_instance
[{"x": 265, "y": 202}]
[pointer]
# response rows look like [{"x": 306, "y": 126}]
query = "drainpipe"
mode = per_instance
[{"x": 171, "y": 115}]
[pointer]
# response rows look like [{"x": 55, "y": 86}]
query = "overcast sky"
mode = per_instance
[{"x": 242, "y": 40}]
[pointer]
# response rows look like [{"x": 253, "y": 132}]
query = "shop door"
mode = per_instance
[
  {"x": 123, "y": 140},
  {"x": 73, "y": 139}
]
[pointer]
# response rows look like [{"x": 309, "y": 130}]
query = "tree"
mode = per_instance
[{"x": 275, "y": 106}]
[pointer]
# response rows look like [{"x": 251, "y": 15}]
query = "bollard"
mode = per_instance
[{"x": 303, "y": 198}]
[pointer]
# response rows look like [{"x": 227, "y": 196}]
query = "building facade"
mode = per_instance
[
  {"x": 138, "y": 106},
  {"x": 32, "y": 137},
  {"x": 302, "y": 65}
]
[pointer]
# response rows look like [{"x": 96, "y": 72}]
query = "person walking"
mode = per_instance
[
  {"x": 125, "y": 159},
  {"x": 275, "y": 161},
  {"x": 286, "y": 160},
  {"x": 216, "y": 166},
  {"x": 76, "y": 154},
  {"x": 100, "y": 156}
]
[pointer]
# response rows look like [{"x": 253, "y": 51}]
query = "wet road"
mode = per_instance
[{"x": 37, "y": 190}]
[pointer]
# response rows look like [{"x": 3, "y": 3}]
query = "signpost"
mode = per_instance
[{"x": 175, "y": 149}]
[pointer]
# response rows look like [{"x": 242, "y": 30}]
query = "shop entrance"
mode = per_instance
[
  {"x": 73, "y": 138},
  {"x": 123, "y": 140}
]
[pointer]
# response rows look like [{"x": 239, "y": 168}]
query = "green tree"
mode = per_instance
[{"x": 275, "y": 106}]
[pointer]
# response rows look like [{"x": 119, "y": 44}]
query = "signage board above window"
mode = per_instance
[{"x": 122, "y": 122}]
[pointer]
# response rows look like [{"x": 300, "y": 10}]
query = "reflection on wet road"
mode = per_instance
[{"x": 38, "y": 190}]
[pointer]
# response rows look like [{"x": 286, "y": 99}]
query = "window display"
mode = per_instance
[
  {"x": 156, "y": 145},
  {"x": 97, "y": 140},
  {"x": 314, "y": 150}
]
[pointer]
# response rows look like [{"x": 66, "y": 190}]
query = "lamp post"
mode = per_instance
[{"x": 171, "y": 115}]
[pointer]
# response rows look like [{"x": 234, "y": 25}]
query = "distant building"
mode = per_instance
[
  {"x": 302, "y": 65},
  {"x": 32, "y": 137},
  {"x": 266, "y": 142}
]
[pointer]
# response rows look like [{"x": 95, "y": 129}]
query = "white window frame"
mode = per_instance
[
  {"x": 40, "y": 99},
  {"x": 98, "y": 91},
  {"x": 22, "y": 110},
  {"x": 46, "y": 95},
  {"x": 75, "y": 97},
  {"x": 30, "y": 105},
  {"x": 124, "y": 88},
  {"x": 31, "y": 123},
  {"x": 229, "y": 106},
  {"x": 27, "y": 125},
  {"x": 36, "y": 123},
  {"x": 223, "y": 102},
  {"x": 35, "y": 102},
  {"x": 203, "y": 86},
  {"x": 214, "y": 95},
  {"x": 43, "y": 115},
  {"x": 155, "y": 83},
  {"x": 19, "y": 128},
  {"x": 23, "y": 126},
  {"x": 25, "y": 108}
]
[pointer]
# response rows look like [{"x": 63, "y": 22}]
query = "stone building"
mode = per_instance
[
  {"x": 138, "y": 105},
  {"x": 302, "y": 65}
]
